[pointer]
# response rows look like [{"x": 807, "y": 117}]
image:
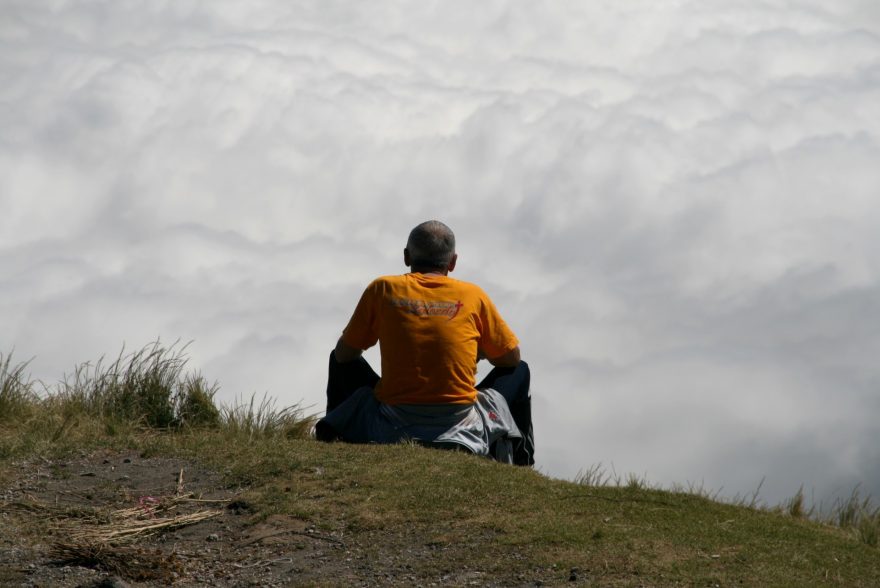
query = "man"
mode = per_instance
[{"x": 432, "y": 330}]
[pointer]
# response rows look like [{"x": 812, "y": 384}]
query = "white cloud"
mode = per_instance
[{"x": 672, "y": 202}]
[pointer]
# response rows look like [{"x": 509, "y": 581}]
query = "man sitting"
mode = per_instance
[{"x": 432, "y": 330}]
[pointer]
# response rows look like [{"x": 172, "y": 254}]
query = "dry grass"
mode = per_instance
[
  {"x": 148, "y": 385},
  {"x": 17, "y": 394},
  {"x": 108, "y": 540},
  {"x": 132, "y": 562},
  {"x": 264, "y": 420},
  {"x": 132, "y": 524}
]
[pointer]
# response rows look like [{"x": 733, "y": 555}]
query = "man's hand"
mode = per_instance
[
  {"x": 509, "y": 359},
  {"x": 345, "y": 353}
]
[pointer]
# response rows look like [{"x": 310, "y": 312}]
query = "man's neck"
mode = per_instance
[{"x": 429, "y": 271}]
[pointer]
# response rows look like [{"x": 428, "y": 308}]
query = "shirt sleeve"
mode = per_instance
[
  {"x": 496, "y": 338},
  {"x": 362, "y": 331}
]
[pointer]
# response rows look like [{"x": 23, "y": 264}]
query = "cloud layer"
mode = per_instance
[{"x": 673, "y": 203}]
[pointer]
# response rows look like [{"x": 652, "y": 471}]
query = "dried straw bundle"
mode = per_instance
[
  {"x": 131, "y": 529},
  {"x": 129, "y": 524},
  {"x": 104, "y": 539}
]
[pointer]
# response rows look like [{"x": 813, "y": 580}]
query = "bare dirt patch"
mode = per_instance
[{"x": 123, "y": 519}]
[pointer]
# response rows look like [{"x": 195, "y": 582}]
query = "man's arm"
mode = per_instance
[
  {"x": 345, "y": 353},
  {"x": 509, "y": 359}
]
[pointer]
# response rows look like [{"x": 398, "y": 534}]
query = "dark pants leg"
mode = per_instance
[
  {"x": 344, "y": 378},
  {"x": 513, "y": 383}
]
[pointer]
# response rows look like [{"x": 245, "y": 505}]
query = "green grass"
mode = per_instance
[
  {"x": 511, "y": 524},
  {"x": 502, "y": 519}
]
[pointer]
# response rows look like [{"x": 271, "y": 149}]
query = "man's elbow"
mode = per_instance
[
  {"x": 345, "y": 353},
  {"x": 509, "y": 359}
]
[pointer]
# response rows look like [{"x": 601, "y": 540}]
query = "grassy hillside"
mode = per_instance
[{"x": 365, "y": 515}]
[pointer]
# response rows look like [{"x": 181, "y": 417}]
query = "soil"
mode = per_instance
[{"x": 50, "y": 511}]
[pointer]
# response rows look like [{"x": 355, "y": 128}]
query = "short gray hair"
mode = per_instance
[{"x": 431, "y": 244}]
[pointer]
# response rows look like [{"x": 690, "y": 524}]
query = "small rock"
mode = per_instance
[{"x": 213, "y": 537}]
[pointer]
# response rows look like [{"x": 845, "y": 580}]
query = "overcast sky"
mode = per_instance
[{"x": 674, "y": 203}]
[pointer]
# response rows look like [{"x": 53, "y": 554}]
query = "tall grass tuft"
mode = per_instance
[
  {"x": 849, "y": 511},
  {"x": 796, "y": 508},
  {"x": 17, "y": 395},
  {"x": 146, "y": 386},
  {"x": 752, "y": 501},
  {"x": 194, "y": 406},
  {"x": 859, "y": 515},
  {"x": 869, "y": 528},
  {"x": 251, "y": 420},
  {"x": 595, "y": 475}
]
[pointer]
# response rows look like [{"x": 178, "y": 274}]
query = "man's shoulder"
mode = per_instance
[
  {"x": 470, "y": 286},
  {"x": 388, "y": 280}
]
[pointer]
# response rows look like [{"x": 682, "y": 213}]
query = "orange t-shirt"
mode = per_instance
[{"x": 429, "y": 329}]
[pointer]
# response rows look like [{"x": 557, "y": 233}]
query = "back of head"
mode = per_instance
[{"x": 431, "y": 245}]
